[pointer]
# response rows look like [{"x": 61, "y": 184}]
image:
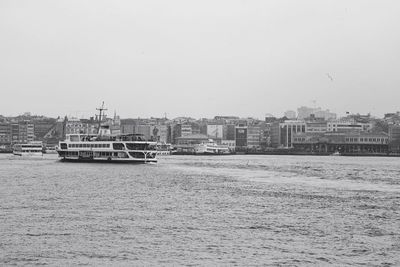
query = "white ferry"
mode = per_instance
[
  {"x": 163, "y": 149},
  {"x": 211, "y": 148},
  {"x": 131, "y": 148},
  {"x": 103, "y": 147},
  {"x": 28, "y": 149}
]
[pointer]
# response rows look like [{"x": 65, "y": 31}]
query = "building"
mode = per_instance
[
  {"x": 345, "y": 143},
  {"x": 5, "y": 134},
  {"x": 186, "y": 129},
  {"x": 254, "y": 137},
  {"x": 241, "y": 137},
  {"x": 348, "y": 126},
  {"x": 394, "y": 138},
  {"x": 42, "y": 127},
  {"x": 316, "y": 127},
  {"x": 287, "y": 130},
  {"x": 229, "y": 132},
  {"x": 231, "y": 144},
  {"x": 26, "y": 132},
  {"x": 215, "y": 131}
]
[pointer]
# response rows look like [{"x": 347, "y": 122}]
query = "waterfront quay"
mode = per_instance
[{"x": 310, "y": 131}]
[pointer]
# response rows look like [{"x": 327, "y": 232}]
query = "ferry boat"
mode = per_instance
[
  {"x": 104, "y": 147},
  {"x": 131, "y": 148},
  {"x": 50, "y": 150},
  {"x": 211, "y": 148},
  {"x": 28, "y": 149},
  {"x": 164, "y": 149}
]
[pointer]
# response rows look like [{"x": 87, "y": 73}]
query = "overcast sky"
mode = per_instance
[{"x": 199, "y": 58}]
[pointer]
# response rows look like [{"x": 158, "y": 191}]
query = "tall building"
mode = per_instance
[
  {"x": 229, "y": 132},
  {"x": 241, "y": 137},
  {"x": 5, "y": 134},
  {"x": 254, "y": 137},
  {"x": 26, "y": 132}
]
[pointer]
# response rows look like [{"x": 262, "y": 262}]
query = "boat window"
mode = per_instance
[
  {"x": 118, "y": 146},
  {"x": 135, "y": 146}
]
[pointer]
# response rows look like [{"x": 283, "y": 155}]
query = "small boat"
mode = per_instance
[
  {"x": 28, "y": 149},
  {"x": 336, "y": 153}
]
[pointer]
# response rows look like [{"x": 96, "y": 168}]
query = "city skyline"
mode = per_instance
[{"x": 298, "y": 112}]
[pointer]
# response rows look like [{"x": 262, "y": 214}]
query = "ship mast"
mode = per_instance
[{"x": 100, "y": 109}]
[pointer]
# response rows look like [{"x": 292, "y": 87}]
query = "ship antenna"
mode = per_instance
[{"x": 100, "y": 109}]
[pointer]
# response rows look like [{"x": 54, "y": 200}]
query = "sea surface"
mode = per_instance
[{"x": 237, "y": 210}]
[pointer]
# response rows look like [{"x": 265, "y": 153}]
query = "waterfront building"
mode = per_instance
[
  {"x": 215, "y": 131},
  {"x": 186, "y": 129},
  {"x": 229, "y": 132},
  {"x": 348, "y": 126},
  {"x": 42, "y": 128},
  {"x": 346, "y": 143},
  {"x": 241, "y": 137},
  {"x": 231, "y": 144},
  {"x": 5, "y": 134},
  {"x": 254, "y": 137},
  {"x": 286, "y": 131},
  {"x": 394, "y": 138},
  {"x": 26, "y": 132},
  {"x": 316, "y": 126}
]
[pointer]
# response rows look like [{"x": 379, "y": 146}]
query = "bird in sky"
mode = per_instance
[{"x": 329, "y": 76}]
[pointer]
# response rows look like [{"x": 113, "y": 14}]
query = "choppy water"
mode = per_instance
[{"x": 229, "y": 210}]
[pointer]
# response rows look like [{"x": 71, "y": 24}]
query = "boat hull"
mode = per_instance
[
  {"x": 28, "y": 154},
  {"x": 127, "y": 161}
]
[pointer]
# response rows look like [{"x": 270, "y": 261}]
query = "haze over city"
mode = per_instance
[{"x": 199, "y": 59}]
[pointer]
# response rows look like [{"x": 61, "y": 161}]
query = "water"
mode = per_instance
[{"x": 229, "y": 210}]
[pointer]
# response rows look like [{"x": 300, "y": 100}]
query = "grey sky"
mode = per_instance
[{"x": 199, "y": 58}]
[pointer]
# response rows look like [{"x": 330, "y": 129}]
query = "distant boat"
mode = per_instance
[
  {"x": 211, "y": 148},
  {"x": 28, "y": 149},
  {"x": 336, "y": 153},
  {"x": 164, "y": 149},
  {"x": 50, "y": 150}
]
